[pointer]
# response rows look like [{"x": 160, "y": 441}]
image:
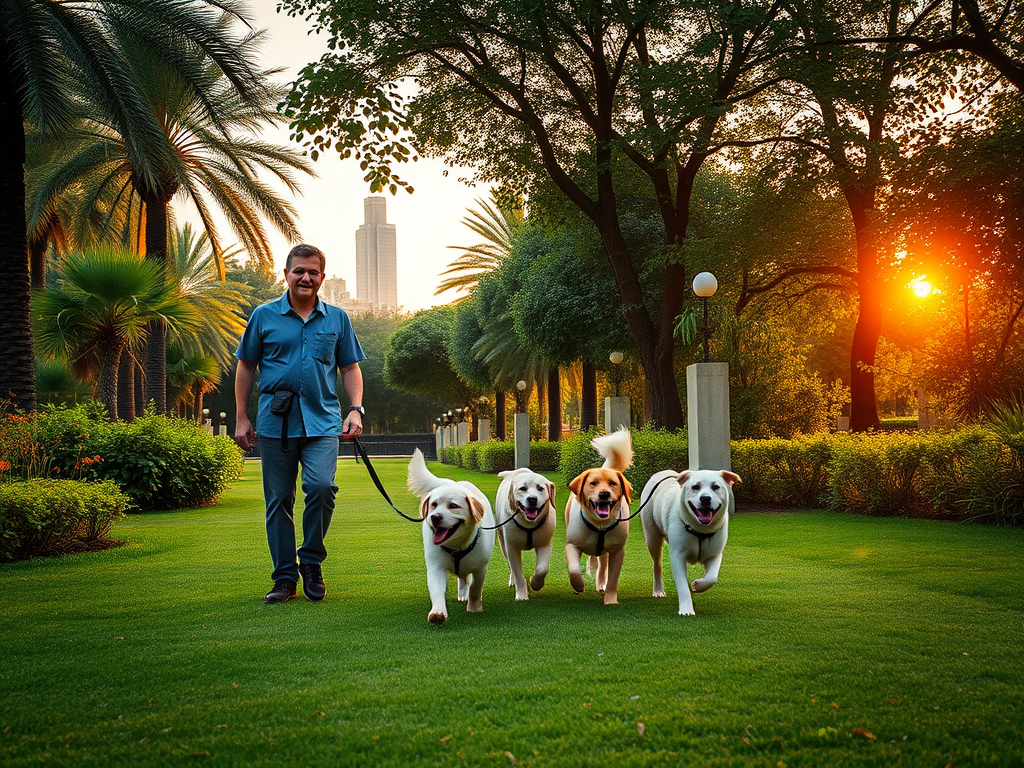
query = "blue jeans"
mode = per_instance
[{"x": 319, "y": 459}]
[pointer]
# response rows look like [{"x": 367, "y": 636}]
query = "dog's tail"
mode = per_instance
[
  {"x": 421, "y": 480},
  {"x": 616, "y": 448}
]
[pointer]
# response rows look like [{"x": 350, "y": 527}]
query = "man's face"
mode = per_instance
[{"x": 304, "y": 277}]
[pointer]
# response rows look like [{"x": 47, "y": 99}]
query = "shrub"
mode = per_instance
[
  {"x": 544, "y": 456},
  {"x": 577, "y": 455},
  {"x": 788, "y": 472},
  {"x": 653, "y": 451},
  {"x": 898, "y": 424},
  {"x": 39, "y": 517},
  {"x": 497, "y": 456},
  {"x": 470, "y": 456},
  {"x": 451, "y": 455},
  {"x": 166, "y": 463}
]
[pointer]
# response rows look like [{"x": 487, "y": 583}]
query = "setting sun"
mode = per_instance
[{"x": 921, "y": 288}]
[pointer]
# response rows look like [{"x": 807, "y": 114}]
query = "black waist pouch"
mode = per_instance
[{"x": 280, "y": 406}]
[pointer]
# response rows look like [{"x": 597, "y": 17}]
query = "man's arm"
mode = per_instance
[
  {"x": 352, "y": 381},
  {"x": 245, "y": 379}
]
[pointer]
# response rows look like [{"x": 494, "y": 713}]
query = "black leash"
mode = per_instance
[
  {"x": 601, "y": 532},
  {"x": 376, "y": 480}
]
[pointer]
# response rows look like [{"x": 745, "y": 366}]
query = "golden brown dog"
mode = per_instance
[{"x": 595, "y": 515}]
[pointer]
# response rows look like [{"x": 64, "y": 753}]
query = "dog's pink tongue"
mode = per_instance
[
  {"x": 439, "y": 534},
  {"x": 705, "y": 515}
]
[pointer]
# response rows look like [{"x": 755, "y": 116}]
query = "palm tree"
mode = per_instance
[
  {"x": 100, "y": 307},
  {"x": 497, "y": 225},
  {"x": 49, "y": 46},
  {"x": 191, "y": 377}
]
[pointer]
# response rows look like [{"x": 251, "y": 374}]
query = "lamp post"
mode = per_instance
[
  {"x": 207, "y": 421},
  {"x": 223, "y": 424},
  {"x": 616, "y": 359},
  {"x": 704, "y": 286},
  {"x": 521, "y": 427},
  {"x": 483, "y": 422},
  {"x": 707, "y": 395},
  {"x": 616, "y": 408}
]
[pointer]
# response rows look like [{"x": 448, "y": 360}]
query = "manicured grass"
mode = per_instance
[{"x": 162, "y": 653}]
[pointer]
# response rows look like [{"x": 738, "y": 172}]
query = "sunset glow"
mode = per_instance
[{"x": 921, "y": 288}]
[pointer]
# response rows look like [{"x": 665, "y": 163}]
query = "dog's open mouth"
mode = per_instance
[
  {"x": 441, "y": 535},
  {"x": 704, "y": 515},
  {"x": 603, "y": 509},
  {"x": 531, "y": 513}
]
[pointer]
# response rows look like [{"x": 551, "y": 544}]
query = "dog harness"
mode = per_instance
[
  {"x": 458, "y": 555},
  {"x": 599, "y": 531},
  {"x": 701, "y": 537},
  {"x": 529, "y": 531}
]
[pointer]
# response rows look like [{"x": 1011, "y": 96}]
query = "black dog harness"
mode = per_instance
[
  {"x": 458, "y": 555},
  {"x": 529, "y": 531},
  {"x": 599, "y": 531},
  {"x": 701, "y": 537}
]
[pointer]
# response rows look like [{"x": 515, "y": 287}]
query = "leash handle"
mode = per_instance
[{"x": 376, "y": 480}]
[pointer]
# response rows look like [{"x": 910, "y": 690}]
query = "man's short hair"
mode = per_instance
[{"x": 303, "y": 251}]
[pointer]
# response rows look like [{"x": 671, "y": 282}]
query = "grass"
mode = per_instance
[{"x": 161, "y": 652}]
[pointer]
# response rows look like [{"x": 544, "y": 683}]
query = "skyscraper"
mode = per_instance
[{"x": 376, "y": 256}]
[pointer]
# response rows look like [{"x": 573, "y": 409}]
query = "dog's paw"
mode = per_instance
[
  {"x": 436, "y": 617},
  {"x": 537, "y": 582},
  {"x": 611, "y": 598},
  {"x": 475, "y": 606},
  {"x": 659, "y": 592},
  {"x": 576, "y": 581},
  {"x": 686, "y": 612},
  {"x": 702, "y": 585},
  {"x": 511, "y": 580},
  {"x": 522, "y": 596}
]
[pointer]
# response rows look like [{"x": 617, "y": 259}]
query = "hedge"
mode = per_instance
[{"x": 43, "y": 517}]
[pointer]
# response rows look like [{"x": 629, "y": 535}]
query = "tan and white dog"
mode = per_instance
[
  {"x": 595, "y": 515},
  {"x": 529, "y": 499},
  {"x": 691, "y": 511},
  {"x": 454, "y": 540}
]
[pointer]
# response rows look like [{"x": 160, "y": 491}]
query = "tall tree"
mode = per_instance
[
  {"x": 560, "y": 92},
  {"x": 47, "y": 48}
]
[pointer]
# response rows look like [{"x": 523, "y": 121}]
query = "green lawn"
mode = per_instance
[{"x": 161, "y": 652}]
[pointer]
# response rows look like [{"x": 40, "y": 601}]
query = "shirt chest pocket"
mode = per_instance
[{"x": 323, "y": 347}]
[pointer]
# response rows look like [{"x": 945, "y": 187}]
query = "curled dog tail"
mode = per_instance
[
  {"x": 421, "y": 480},
  {"x": 616, "y": 448}
]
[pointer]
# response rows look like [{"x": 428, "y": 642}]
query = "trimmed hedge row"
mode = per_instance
[
  {"x": 498, "y": 456},
  {"x": 45, "y": 517},
  {"x": 967, "y": 474}
]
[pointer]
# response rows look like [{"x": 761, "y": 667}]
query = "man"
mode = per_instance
[{"x": 298, "y": 342}]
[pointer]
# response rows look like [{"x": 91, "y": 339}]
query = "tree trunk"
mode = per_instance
[
  {"x": 156, "y": 335},
  {"x": 554, "y": 405},
  {"x": 541, "y": 402},
  {"x": 17, "y": 370},
  {"x": 126, "y": 389},
  {"x": 199, "y": 404},
  {"x": 37, "y": 263},
  {"x": 110, "y": 362},
  {"x": 140, "y": 388},
  {"x": 499, "y": 414},
  {"x": 863, "y": 403},
  {"x": 588, "y": 397}
]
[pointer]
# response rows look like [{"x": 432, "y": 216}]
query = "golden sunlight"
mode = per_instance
[{"x": 921, "y": 288}]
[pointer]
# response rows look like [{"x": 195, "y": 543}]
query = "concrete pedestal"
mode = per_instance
[
  {"x": 449, "y": 436},
  {"x": 707, "y": 415},
  {"x": 462, "y": 433},
  {"x": 483, "y": 430},
  {"x": 521, "y": 430},
  {"x": 439, "y": 441},
  {"x": 616, "y": 413}
]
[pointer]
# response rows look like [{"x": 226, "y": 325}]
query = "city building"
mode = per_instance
[{"x": 376, "y": 257}]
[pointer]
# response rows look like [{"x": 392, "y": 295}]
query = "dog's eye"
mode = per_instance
[
  {"x": 714, "y": 486},
  {"x": 433, "y": 504},
  {"x": 453, "y": 505},
  {"x": 695, "y": 486}
]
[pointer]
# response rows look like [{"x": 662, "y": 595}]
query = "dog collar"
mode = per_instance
[
  {"x": 529, "y": 531},
  {"x": 702, "y": 536},
  {"x": 458, "y": 555},
  {"x": 599, "y": 531}
]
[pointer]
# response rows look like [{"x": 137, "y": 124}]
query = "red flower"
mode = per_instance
[{"x": 4, "y": 466}]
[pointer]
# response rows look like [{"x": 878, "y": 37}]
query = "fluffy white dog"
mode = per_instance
[
  {"x": 529, "y": 499},
  {"x": 691, "y": 511},
  {"x": 454, "y": 540}
]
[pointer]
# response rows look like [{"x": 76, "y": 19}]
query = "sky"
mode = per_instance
[{"x": 331, "y": 206}]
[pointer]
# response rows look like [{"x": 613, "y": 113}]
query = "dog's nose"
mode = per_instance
[
  {"x": 604, "y": 495},
  {"x": 705, "y": 500},
  {"x": 436, "y": 518},
  {"x": 531, "y": 501}
]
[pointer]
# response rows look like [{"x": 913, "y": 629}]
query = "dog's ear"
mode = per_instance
[
  {"x": 551, "y": 494},
  {"x": 627, "y": 489},
  {"x": 730, "y": 477},
  {"x": 476, "y": 507},
  {"x": 578, "y": 482},
  {"x": 683, "y": 477},
  {"x": 423, "y": 507}
]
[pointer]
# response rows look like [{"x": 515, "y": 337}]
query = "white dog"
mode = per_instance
[
  {"x": 454, "y": 540},
  {"x": 529, "y": 499},
  {"x": 691, "y": 510}
]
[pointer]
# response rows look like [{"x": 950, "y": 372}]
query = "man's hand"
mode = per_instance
[
  {"x": 353, "y": 426},
  {"x": 245, "y": 435}
]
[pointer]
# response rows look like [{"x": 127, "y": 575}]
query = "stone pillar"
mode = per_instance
[
  {"x": 223, "y": 430},
  {"x": 448, "y": 437},
  {"x": 707, "y": 415},
  {"x": 439, "y": 441},
  {"x": 462, "y": 433},
  {"x": 483, "y": 430},
  {"x": 616, "y": 413},
  {"x": 521, "y": 429}
]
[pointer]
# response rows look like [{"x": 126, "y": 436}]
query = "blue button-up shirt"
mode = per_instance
[{"x": 301, "y": 356}]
